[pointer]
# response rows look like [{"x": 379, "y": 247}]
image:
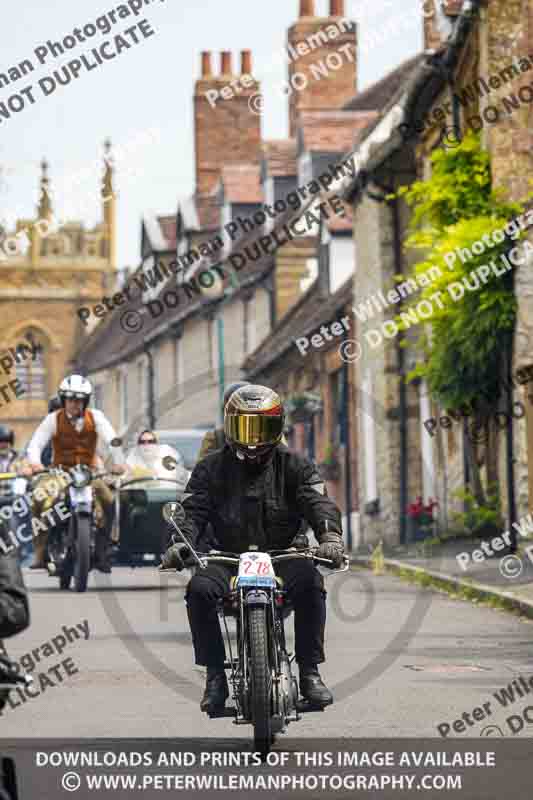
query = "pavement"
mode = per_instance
[{"x": 503, "y": 577}]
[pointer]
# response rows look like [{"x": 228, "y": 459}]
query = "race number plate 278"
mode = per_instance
[{"x": 255, "y": 569}]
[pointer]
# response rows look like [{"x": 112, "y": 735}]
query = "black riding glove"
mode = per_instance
[
  {"x": 8, "y": 671},
  {"x": 175, "y": 556},
  {"x": 331, "y": 547}
]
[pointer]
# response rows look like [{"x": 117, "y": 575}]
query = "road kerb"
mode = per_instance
[{"x": 508, "y": 600}]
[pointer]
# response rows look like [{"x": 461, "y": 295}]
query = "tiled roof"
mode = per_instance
[
  {"x": 377, "y": 95},
  {"x": 331, "y": 131},
  {"x": 110, "y": 344},
  {"x": 241, "y": 183},
  {"x": 310, "y": 312},
  {"x": 280, "y": 157}
]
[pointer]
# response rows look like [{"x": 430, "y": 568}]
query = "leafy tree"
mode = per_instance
[{"x": 461, "y": 351}]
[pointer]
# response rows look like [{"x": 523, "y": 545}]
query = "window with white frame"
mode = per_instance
[
  {"x": 305, "y": 168},
  {"x": 211, "y": 328},
  {"x": 142, "y": 383},
  {"x": 124, "y": 407},
  {"x": 428, "y": 467},
  {"x": 98, "y": 397},
  {"x": 369, "y": 440},
  {"x": 270, "y": 199},
  {"x": 178, "y": 367},
  {"x": 250, "y": 327}
]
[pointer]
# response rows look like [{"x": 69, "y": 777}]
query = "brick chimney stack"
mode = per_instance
[
  {"x": 336, "y": 8},
  {"x": 206, "y": 64},
  {"x": 437, "y": 18},
  {"x": 225, "y": 63},
  {"x": 226, "y": 130},
  {"x": 322, "y": 77},
  {"x": 246, "y": 62},
  {"x": 307, "y": 8}
]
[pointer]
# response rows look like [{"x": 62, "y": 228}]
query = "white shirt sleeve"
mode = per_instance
[
  {"x": 106, "y": 433},
  {"x": 41, "y": 437}
]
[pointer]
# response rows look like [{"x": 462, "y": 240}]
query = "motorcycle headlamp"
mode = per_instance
[{"x": 81, "y": 476}]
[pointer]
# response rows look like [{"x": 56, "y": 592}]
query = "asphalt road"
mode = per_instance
[{"x": 401, "y": 660}]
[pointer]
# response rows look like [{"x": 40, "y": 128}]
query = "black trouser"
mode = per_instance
[{"x": 305, "y": 592}]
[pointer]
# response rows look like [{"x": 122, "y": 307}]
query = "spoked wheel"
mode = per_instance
[
  {"x": 61, "y": 556},
  {"x": 82, "y": 545},
  {"x": 261, "y": 680}
]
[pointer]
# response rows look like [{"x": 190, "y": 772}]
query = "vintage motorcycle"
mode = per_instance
[
  {"x": 71, "y": 544},
  {"x": 265, "y": 690}
]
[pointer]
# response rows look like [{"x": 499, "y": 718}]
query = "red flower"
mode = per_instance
[{"x": 418, "y": 509}]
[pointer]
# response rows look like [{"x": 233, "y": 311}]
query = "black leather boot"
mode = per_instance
[
  {"x": 216, "y": 690},
  {"x": 312, "y": 688}
]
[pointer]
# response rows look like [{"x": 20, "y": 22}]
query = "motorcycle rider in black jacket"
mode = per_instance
[{"x": 255, "y": 492}]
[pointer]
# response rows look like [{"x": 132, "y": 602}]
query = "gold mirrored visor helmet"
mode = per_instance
[{"x": 253, "y": 429}]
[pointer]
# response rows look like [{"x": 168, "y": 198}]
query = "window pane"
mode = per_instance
[{"x": 32, "y": 375}]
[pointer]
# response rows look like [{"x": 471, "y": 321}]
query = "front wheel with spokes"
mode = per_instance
[
  {"x": 260, "y": 680},
  {"x": 82, "y": 540}
]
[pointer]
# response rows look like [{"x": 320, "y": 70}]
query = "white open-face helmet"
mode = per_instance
[{"x": 75, "y": 387}]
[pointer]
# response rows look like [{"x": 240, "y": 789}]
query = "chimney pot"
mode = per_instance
[
  {"x": 336, "y": 8},
  {"x": 206, "y": 64},
  {"x": 225, "y": 63},
  {"x": 246, "y": 62},
  {"x": 307, "y": 8}
]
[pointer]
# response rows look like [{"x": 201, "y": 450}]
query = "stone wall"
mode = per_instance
[{"x": 509, "y": 38}]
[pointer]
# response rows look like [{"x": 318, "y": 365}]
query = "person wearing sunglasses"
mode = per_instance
[
  {"x": 147, "y": 437},
  {"x": 77, "y": 433},
  {"x": 150, "y": 458}
]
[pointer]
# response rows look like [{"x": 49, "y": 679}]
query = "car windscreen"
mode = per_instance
[{"x": 187, "y": 445}]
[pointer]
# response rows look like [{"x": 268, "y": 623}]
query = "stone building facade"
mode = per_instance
[
  {"x": 44, "y": 279},
  {"x": 466, "y": 44}
]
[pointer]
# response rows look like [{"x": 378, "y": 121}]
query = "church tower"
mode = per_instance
[{"x": 48, "y": 269}]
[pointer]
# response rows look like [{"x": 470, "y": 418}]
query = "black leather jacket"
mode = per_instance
[
  {"x": 14, "y": 607},
  {"x": 265, "y": 508}
]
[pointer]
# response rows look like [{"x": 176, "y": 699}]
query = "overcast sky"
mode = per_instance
[{"x": 150, "y": 86}]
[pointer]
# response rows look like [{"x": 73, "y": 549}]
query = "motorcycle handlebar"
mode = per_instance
[
  {"x": 66, "y": 471},
  {"x": 233, "y": 559},
  {"x": 309, "y": 555}
]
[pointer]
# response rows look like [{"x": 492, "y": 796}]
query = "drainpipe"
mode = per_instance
[
  {"x": 509, "y": 444},
  {"x": 347, "y": 455},
  {"x": 221, "y": 368}
]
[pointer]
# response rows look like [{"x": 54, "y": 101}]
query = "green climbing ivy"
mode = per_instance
[{"x": 460, "y": 355}]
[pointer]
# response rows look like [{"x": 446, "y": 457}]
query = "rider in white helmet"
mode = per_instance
[{"x": 76, "y": 433}]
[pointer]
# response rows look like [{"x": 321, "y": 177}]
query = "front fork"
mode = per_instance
[
  {"x": 280, "y": 666},
  {"x": 62, "y": 546}
]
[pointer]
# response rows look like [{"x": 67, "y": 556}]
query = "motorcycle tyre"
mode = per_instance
[
  {"x": 82, "y": 541},
  {"x": 261, "y": 680}
]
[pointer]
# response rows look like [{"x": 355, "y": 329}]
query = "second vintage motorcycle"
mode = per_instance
[{"x": 71, "y": 543}]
